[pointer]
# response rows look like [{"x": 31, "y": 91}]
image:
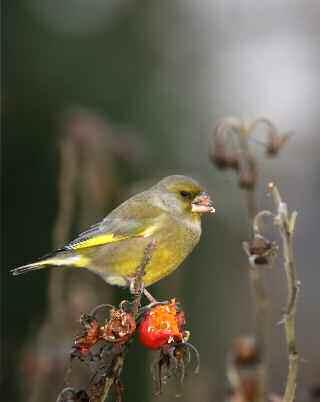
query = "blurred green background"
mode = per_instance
[{"x": 145, "y": 81}]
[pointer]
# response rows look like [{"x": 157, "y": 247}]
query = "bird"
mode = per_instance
[{"x": 168, "y": 214}]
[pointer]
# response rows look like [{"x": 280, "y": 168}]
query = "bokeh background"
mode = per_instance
[{"x": 100, "y": 98}]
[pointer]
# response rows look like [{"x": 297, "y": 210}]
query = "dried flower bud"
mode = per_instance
[
  {"x": 90, "y": 337},
  {"x": 259, "y": 250},
  {"x": 173, "y": 361},
  {"x": 218, "y": 156},
  {"x": 244, "y": 351},
  {"x": 246, "y": 181},
  {"x": 259, "y": 246},
  {"x": 275, "y": 143},
  {"x": 243, "y": 364},
  {"x": 119, "y": 328},
  {"x": 223, "y": 159}
]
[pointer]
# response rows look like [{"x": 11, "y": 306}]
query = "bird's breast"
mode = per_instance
[
  {"x": 172, "y": 247},
  {"x": 120, "y": 260}
]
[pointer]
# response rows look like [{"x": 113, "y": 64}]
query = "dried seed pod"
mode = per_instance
[
  {"x": 259, "y": 246},
  {"x": 275, "y": 143},
  {"x": 260, "y": 250},
  {"x": 119, "y": 328},
  {"x": 222, "y": 158},
  {"x": 218, "y": 155},
  {"x": 243, "y": 366},
  {"x": 173, "y": 361},
  {"x": 246, "y": 181},
  {"x": 90, "y": 337},
  {"x": 244, "y": 351}
]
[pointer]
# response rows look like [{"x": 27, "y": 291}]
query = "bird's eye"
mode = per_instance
[{"x": 185, "y": 194}]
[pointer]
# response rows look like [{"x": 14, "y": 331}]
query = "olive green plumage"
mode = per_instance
[{"x": 114, "y": 247}]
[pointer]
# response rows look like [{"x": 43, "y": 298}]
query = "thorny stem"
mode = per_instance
[
  {"x": 137, "y": 291},
  {"x": 138, "y": 280},
  {"x": 286, "y": 224}
]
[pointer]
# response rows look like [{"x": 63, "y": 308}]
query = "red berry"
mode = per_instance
[{"x": 161, "y": 325}]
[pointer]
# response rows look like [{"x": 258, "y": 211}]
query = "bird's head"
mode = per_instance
[{"x": 185, "y": 195}]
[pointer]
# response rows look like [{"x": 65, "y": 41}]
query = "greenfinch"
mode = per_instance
[{"x": 168, "y": 213}]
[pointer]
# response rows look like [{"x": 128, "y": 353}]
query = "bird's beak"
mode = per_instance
[{"x": 202, "y": 203}]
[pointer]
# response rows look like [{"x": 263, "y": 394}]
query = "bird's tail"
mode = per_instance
[
  {"x": 29, "y": 267},
  {"x": 60, "y": 258}
]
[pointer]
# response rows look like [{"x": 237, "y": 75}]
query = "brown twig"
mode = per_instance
[
  {"x": 286, "y": 224},
  {"x": 137, "y": 286},
  {"x": 247, "y": 180},
  {"x": 258, "y": 291},
  {"x": 114, "y": 371},
  {"x": 231, "y": 149}
]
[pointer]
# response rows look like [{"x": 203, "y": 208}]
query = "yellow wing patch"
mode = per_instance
[
  {"x": 98, "y": 241},
  {"x": 108, "y": 238}
]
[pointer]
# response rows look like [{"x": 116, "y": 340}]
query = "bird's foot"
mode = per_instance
[{"x": 136, "y": 286}]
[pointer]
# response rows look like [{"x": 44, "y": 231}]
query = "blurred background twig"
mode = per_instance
[
  {"x": 231, "y": 149},
  {"x": 86, "y": 190}
]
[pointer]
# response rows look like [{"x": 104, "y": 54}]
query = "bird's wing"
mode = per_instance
[{"x": 114, "y": 230}]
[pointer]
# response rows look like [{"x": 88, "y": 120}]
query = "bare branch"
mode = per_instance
[
  {"x": 230, "y": 148},
  {"x": 286, "y": 224},
  {"x": 114, "y": 371}
]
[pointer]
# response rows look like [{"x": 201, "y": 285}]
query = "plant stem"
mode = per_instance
[
  {"x": 286, "y": 224},
  {"x": 137, "y": 289},
  {"x": 256, "y": 281}
]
